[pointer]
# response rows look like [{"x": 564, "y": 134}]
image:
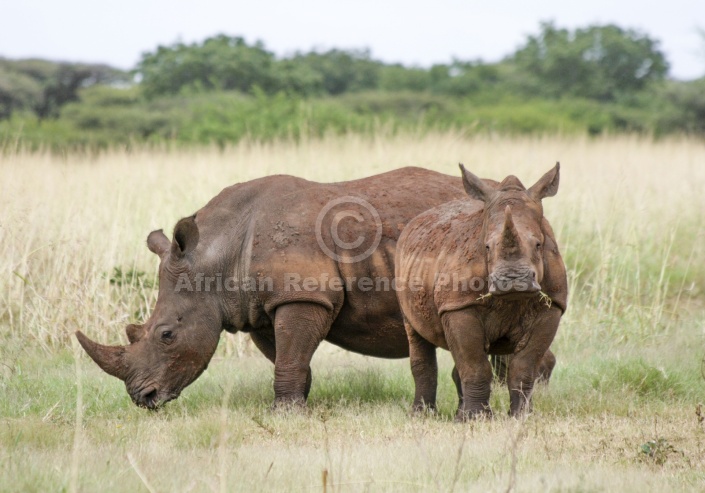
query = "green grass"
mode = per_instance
[
  {"x": 618, "y": 415},
  {"x": 587, "y": 430}
]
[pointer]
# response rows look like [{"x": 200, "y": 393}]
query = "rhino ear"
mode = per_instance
[
  {"x": 185, "y": 237},
  {"x": 547, "y": 186},
  {"x": 475, "y": 187},
  {"x": 134, "y": 332},
  {"x": 158, "y": 243}
]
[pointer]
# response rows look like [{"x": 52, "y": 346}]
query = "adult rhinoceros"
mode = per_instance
[{"x": 289, "y": 261}]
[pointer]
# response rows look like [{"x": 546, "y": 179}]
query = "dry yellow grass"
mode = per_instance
[{"x": 630, "y": 219}]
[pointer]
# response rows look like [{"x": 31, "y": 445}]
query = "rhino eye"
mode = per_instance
[
  {"x": 538, "y": 246},
  {"x": 167, "y": 335}
]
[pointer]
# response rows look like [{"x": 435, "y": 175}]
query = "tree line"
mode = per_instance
[
  {"x": 598, "y": 62},
  {"x": 617, "y": 76}
]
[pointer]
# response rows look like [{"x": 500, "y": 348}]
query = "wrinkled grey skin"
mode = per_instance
[
  {"x": 266, "y": 229},
  {"x": 498, "y": 236}
]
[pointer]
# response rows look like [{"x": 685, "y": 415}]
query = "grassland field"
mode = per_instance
[{"x": 625, "y": 409}]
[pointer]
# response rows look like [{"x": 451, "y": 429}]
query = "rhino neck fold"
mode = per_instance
[{"x": 236, "y": 304}]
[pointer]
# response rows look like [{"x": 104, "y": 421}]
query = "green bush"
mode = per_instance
[{"x": 108, "y": 116}]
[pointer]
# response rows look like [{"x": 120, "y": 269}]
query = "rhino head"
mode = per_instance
[
  {"x": 512, "y": 233},
  {"x": 173, "y": 347}
]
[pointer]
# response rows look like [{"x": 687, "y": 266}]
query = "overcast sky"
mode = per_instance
[{"x": 407, "y": 31}]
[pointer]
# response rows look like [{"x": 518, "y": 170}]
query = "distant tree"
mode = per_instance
[
  {"x": 397, "y": 77},
  {"x": 462, "y": 78},
  {"x": 43, "y": 86},
  {"x": 297, "y": 78},
  {"x": 219, "y": 63},
  {"x": 340, "y": 71},
  {"x": 17, "y": 92},
  {"x": 63, "y": 86},
  {"x": 688, "y": 99},
  {"x": 597, "y": 62}
]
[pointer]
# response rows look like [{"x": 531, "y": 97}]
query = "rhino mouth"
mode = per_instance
[
  {"x": 151, "y": 398},
  {"x": 515, "y": 295},
  {"x": 513, "y": 286}
]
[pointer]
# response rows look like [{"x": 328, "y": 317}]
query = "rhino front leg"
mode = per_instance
[
  {"x": 424, "y": 368},
  {"x": 265, "y": 343},
  {"x": 298, "y": 330},
  {"x": 466, "y": 342},
  {"x": 524, "y": 366}
]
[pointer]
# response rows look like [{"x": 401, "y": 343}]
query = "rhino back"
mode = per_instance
[{"x": 266, "y": 230}]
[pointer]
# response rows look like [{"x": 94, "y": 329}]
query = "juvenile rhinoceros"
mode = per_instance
[
  {"x": 289, "y": 261},
  {"x": 477, "y": 276}
]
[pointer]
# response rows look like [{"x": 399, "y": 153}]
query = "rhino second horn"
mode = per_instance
[{"x": 110, "y": 358}]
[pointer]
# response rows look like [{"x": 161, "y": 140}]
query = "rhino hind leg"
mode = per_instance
[
  {"x": 458, "y": 386},
  {"x": 309, "y": 379},
  {"x": 265, "y": 343},
  {"x": 298, "y": 330},
  {"x": 500, "y": 366},
  {"x": 548, "y": 362}
]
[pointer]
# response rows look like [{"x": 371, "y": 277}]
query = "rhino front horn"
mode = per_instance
[
  {"x": 110, "y": 358},
  {"x": 509, "y": 235}
]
